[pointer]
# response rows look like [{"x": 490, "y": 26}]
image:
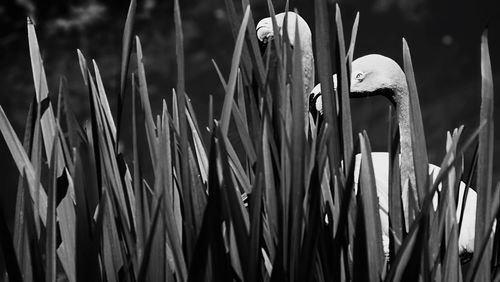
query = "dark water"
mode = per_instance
[{"x": 444, "y": 38}]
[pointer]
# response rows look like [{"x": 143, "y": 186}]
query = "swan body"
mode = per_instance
[{"x": 381, "y": 170}]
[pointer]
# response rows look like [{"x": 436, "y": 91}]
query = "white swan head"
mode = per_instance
[
  {"x": 294, "y": 24},
  {"x": 371, "y": 75},
  {"x": 265, "y": 29},
  {"x": 377, "y": 75}
]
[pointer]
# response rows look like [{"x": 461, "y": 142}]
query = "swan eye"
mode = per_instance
[{"x": 359, "y": 76}]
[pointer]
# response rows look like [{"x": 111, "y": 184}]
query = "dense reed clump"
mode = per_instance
[{"x": 282, "y": 207}]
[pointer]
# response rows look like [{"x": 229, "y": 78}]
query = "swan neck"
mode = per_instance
[{"x": 402, "y": 102}]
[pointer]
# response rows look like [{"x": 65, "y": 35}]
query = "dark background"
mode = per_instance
[{"x": 444, "y": 37}]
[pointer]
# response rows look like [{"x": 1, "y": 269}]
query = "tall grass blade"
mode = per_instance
[
  {"x": 468, "y": 182},
  {"x": 22, "y": 222},
  {"x": 188, "y": 221},
  {"x": 254, "y": 50},
  {"x": 108, "y": 117},
  {"x": 396, "y": 214},
  {"x": 111, "y": 252},
  {"x": 345, "y": 105},
  {"x": 146, "y": 106},
  {"x": 297, "y": 158},
  {"x": 324, "y": 49},
  {"x": 36, "y": 160},
  {"x": 354, "y": 34},
  {"x": 127, "y": 38},
  {"x": 173, "y": 230},
  {"x": 238, "y": 224},
  {"x": 140, "y": 228},
  {"x": 210, "y": 243},
  {"x": 255, "y": 211},
  {"x": 86, "y": 256},
  {"x": 148, "y": 247},
  {"x": 67, "y": 226},
  {"x": 231, "y": 84},
  {"x": 23, "y": 163},
  {"x": 48, "y": 123},
  {"x": 370, "y": 210},
  {"x": 50, "y": 243},
  {"x": 485, "y": 163},
  {"x": 235, "y": 22},
  {"x": 105, "y": 146},
  {"x": 451, "y": 269},
  {"x": 19, "y": 237},
  {"x": 420, "y": 160}
]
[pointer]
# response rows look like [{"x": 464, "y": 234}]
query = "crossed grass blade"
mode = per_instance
[
  {"x": 239, "y": 115},
  {"x": 441, "y": 219},
  {"x": 237, "y": 221},
  {"x": 106, "y": 154},
  {"x": 199, "y": 144}
]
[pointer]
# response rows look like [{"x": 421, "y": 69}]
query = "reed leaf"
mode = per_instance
[
  {"x": 344, "y": 105},
  {"x": 23, "y": 163},
  {"x": 50, "y": 243},
  {"x": 485, "y": 163},
  {"x": 324, "y": 49},
  {"x": 419, "y": 148},
  {"x": 48, "y": 124},
  {"x": 231, "y": 84},
  {"x": 369, "y": 208}
]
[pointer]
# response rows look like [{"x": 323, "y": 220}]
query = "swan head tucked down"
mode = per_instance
[
  {"x": 265, "y": 29},
  {"x": 377, "y": 75},
  {"x": 371, "y": 75},
  {"x": 294, "y": 23}
]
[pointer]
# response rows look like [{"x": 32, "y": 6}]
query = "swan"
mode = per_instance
[
  {"x": 374, "y": 75},
  {"x": 265, "y": 32},
  {"x": 379, "y": 75}
]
